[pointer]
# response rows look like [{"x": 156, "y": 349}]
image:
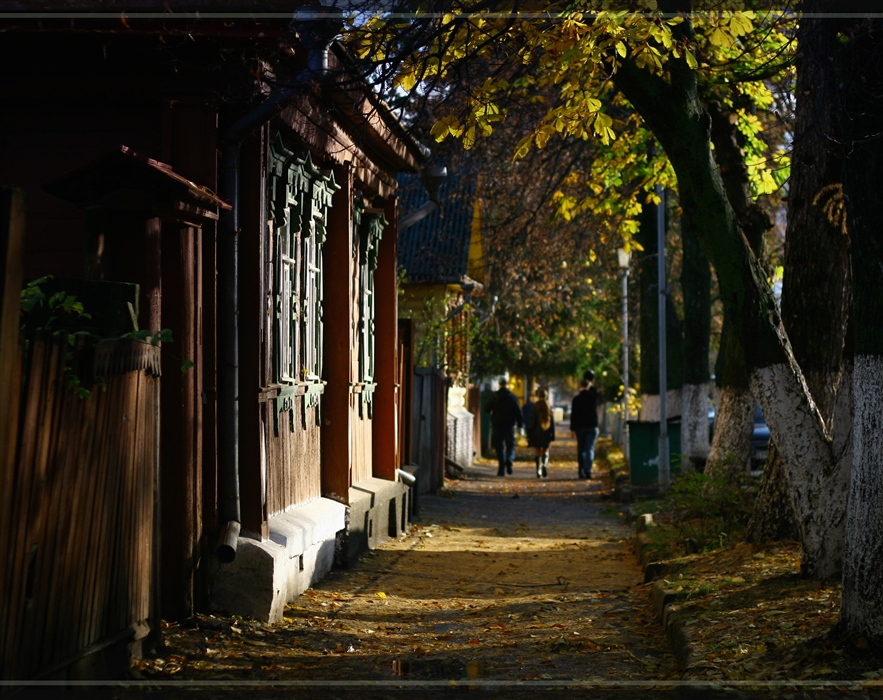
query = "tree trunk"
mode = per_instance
[
  {"x": 733, "y": 423},
  {"x": 773, "y": 518},
  {"x": 729, "y": 456},
  {"x": 696, "y": 287},
  {"x": 648, "y": 281},
  {"x": 859, "y": 67},
  {"x": 734, "y": 412},
  {"x": 815, "y": 297},
  {"x": 681, "y": 124}
]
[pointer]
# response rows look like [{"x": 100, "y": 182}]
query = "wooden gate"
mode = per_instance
[
  {"x": 429, "y": 413},
  {"x": 78, "y": 540}
]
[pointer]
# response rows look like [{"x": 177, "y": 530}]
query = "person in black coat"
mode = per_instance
[
  {"x": 584, "y": 424},
  {"x": 541, "y": 432},
  {"x": 505, "y": 415}
]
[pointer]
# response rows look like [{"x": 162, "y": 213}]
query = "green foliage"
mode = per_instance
[
  {"x": 709, "y": 512},
  {"x": 50, "y": 311},
  {"x": 146, "y": 336},
  {"x": 54, "y": 313},
  {"x": 431, "y": 320},
  {"x": 58, "y": 315},
  {"x": 561, "y": 66}
]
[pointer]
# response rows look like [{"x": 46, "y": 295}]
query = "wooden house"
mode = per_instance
[
  {"x": 443, "y": 268},
  {"x": 244, "y": 177}
]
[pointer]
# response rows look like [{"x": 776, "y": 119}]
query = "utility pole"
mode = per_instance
[{"x": 664, "y": 467}]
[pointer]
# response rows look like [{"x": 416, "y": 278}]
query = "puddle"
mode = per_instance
[{"x": 435, "y": 669}]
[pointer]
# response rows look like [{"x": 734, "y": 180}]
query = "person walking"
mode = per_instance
[
  {"x": 584, "y": 424},
  {"x": 526, "y": 409},
  {"x": 541, "y": 432},
  {"x": 505, "y": 415}
]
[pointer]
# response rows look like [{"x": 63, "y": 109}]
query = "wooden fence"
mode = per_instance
[
  {"x": 78, "y": 526},
  {"x": 429, "y": 416}
]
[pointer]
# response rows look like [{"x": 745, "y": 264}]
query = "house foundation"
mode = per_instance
[{"x": 304, "y": 544}]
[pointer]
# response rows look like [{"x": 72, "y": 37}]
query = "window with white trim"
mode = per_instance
[
  {"x": 299, "y": 203},
  {"x": 368, "y": 227}
]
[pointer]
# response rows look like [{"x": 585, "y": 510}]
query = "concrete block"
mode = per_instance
[
  {"x": 653, "y": 569},
  {"x": 254, "y": 584},
  {"x": 378, "y": 510},
  {"x": 644, "y": 522},
  {"x": 642, "y": 541},
  {"x": 265, "y": 575},
  {"x": 678, "y": 638},
  {"x": 662, "y": 597}
]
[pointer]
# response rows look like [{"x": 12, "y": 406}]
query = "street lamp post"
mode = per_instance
[{"x": 624, "y": 257}]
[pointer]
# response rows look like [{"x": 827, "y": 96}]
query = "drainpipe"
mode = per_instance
[{"x": 317, "y": 30}]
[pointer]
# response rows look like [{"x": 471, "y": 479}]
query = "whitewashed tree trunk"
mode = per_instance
[
  {"x": 819, "y": 484},
  {"x": 861, "y": 607},
  {"x": 694, "y": 422},
  {"x": 674, "y": 112},
  {"x": 858, "y": 70},
  {"x": 650, "y": 405},
  {"x": 733, "y": 423}
]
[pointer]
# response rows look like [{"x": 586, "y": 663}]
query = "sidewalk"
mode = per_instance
[{"x": 510, "y": 585}]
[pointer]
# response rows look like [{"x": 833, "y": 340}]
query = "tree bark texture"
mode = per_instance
[
  {"x": 733, "y": 423},
  {"x": 735, "y": 419},
  {"x": 815, "y": 288},
  {"x": 815, "y": 297},
  {"x": 773, "y": 518},
  {"x": 859, "y": 68},
  {"x": 696, "y": 287},
  {"x": 648, "y": 284},
  {"x": 679, "y": 121}
]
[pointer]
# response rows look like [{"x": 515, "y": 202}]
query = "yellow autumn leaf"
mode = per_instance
[
  {"x": 721, "y": 38},
  {"x": 469, "y": 138},
  {"x": 523, "y": 147},
  {"x": 406, "y": 81}
]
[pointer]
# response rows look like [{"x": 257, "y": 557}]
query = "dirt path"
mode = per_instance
[{"x": 502, "y": 582}]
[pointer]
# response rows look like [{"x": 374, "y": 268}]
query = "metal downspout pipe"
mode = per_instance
[{"x": 316, "y": 34}]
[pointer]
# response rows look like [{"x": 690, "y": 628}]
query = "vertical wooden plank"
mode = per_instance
[
  {"x": 81, "y": 483},
  {"x": 208, "y": 379},
  {"x": 251, "y": 306},
  {"x": 191, "y": 138},
  {"x": 385, "y": 446},
  {"x": 12, "y": 224},
  {"x": 406, "y": 391},
  {"x": 82, "y": 537},
  {"x": 13, "y": 553},
  {"x": 99, "y": 542},
  {"x": 127, "y": 563},
  {"x": 440, "y": 415},
  {"x": 34, "y": 516},
  {"x": 55, "y": 597},
  {"x": 181, "y": 401},
  {"x": 337, "y": 426}
]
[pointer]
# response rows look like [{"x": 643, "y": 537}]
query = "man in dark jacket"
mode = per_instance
[
  {"x": 584, "y": 424},
  {"x": 505, "y": 415}
]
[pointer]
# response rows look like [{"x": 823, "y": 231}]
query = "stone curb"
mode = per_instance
[{"x": 666, "y": 602}]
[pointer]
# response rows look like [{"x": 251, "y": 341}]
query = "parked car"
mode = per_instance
[
  {"x": 760, "y": 441},
  {"x": 760, "y": 438}
]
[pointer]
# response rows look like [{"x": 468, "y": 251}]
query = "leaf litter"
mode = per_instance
[{"x": 542, "y": 588}]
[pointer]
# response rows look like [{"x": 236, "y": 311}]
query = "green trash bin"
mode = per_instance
[{"x": 644, "y": 450}]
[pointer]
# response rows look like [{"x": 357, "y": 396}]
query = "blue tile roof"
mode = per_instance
[{"x": 436, "y": 248}]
